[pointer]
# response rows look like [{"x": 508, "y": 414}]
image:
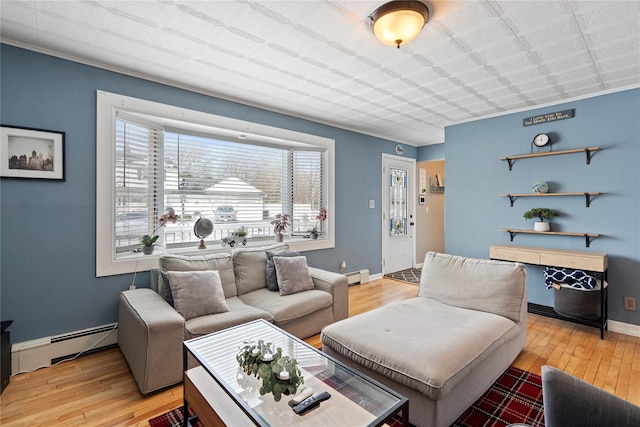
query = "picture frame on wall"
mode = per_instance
[{"x": 28, "y": 153}]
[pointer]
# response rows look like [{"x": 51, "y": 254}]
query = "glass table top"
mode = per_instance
[{"x": 355, "y": 399}]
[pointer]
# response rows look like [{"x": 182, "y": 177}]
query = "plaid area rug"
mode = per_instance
[
  {"x": 411, "y": 275},
  {"x": 516, "y": 397}
]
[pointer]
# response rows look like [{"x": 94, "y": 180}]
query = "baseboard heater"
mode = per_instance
[
  {"x": 28, "y": 356},
  {"x": 361, "y": 276}
]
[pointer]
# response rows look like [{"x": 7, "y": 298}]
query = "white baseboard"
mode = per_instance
[
  {"x": 624, "y": 328},
  {"x": 30, "y": 355},
  {"x": 376, "y": 276}
]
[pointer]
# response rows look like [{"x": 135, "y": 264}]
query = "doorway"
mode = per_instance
[{"x": 398, "y": 213}]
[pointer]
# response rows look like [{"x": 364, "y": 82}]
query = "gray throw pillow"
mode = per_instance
[
  {"x": 293, "y": 274},
  {"x": 271, "y": 277},
  {"x": 197, "y": 293},
  {"x": 165, "y": 290}
]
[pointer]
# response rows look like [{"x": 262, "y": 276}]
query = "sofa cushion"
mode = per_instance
[
  {"x": 289, "y": 307},
  {"x": 250, "y": 265},
  {"x": 493, "y": 286},
  {"x": 293, "y": 274},
  {"x": 238, "y": 313},
  {"x": 422, "y": 343},
  {"x": 221, "y": 262},
  {"x": 271, "y": 277},
  {"x": 196, "y": 293}
]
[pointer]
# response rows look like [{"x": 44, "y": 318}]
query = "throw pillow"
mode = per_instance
[
  {"x": 165, "y": 290},
  {"x": 196, "y": 293},
  {"x": 293, "y": 274},
  {"x": 271, "y": 277}
]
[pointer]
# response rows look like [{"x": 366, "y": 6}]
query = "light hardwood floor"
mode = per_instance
[{"x": 98, "y": 389}]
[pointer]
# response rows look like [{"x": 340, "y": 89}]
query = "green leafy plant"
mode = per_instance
[
  {"x": 258, "y": 359},
  {"x": 540, "y": 213}
]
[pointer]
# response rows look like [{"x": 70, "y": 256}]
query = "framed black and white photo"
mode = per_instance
[{"x": 31, "y": 153}]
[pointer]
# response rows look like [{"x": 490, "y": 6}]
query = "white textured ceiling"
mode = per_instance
[{"x": 319, "y": 60}]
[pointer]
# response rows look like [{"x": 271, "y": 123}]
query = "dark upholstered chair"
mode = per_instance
[{"x": 570, "y": 402}]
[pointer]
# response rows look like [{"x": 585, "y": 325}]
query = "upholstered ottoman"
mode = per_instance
[{"x": 444, "y": 348}]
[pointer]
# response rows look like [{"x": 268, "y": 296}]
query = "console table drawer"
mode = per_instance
[
  {"x": 581, "y": 262},
  {"x": 508, "y": 253}
]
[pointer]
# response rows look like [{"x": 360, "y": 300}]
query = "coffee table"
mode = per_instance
[{"x": 221, "y": 394}]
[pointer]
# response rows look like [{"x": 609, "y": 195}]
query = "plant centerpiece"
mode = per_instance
[
  {"x": 541, "y": 214},
  {"x": 280, "y": 223},
  {"x": 279, "y": 374},
  {"x": 317, "y": 228},
  {"x": 148, "y": 240}
]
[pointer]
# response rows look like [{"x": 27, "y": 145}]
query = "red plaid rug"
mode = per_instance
[{"x": 516, "y": 397}]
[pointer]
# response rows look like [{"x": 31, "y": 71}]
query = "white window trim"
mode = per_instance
[{"x": 107, "y": 104}]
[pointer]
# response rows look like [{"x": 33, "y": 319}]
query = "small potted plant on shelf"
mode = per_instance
[
  {"x": 541, "y": 214},
  {"x": 280, "y": 223}
]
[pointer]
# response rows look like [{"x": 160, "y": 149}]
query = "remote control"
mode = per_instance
[
  {"x": 302, "y": 395},
  {"x": 311, "y": 403}
]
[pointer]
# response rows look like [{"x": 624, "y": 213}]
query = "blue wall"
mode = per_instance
[
  {"x": 475, "y": 178},
  {"x": 48, "y": 283},
  {"x": 431, "y": 152}
]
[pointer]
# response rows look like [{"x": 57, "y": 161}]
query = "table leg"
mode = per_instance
[{"x": 405, "y": 415}]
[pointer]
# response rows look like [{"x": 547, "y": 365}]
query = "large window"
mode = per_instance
[{"x": 153, "y": 158}]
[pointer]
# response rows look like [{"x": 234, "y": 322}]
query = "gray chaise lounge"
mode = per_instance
[{"x": 444, "y": 348}]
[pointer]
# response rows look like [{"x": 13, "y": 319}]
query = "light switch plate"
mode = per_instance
[{"x": 372, "y": 204}]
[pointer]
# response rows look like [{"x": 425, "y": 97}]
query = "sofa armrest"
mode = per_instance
[
  {"x": 336, "y": 284},
  {"x": 150, "y": 336}
]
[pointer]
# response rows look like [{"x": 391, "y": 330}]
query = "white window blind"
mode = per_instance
[
  {"x": 136, "y": 182},
  {"x": 232, "y": 183},
  {"x": 152, "y": 157}
]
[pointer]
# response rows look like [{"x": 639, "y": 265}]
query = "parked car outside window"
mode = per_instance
[{"x": 225, "y": 213}]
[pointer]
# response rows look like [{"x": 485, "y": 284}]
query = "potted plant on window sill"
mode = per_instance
[
  {"x": 541, "y": 214},
  {"x": 148, "y": 240},
  {"x": 317, "y": 228},
  {"x": 280, "y": 224}
]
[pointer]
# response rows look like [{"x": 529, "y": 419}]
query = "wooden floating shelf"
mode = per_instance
[
  {"x": 513, "y": 196},
  {"x": 588, "y": 236},
  {"x": 588, "y": 151}
]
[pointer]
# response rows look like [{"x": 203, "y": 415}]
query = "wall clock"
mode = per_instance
[
  {"x": 541, "y": 139},
  {"x": 399, "y": 149}
]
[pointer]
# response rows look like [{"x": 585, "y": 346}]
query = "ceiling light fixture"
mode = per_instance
[{"x": 399, "y": 22}]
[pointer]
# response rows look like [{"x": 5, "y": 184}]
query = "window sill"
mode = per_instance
[{"x": 136, "y": 262}]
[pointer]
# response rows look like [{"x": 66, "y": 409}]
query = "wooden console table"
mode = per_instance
[{"x": 596, "y": 262}]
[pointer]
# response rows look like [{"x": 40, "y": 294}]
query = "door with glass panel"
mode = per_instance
[{"x": 398, "y": 190}]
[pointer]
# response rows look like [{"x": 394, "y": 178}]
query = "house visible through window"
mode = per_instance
[{"x": 200, "y": 170}]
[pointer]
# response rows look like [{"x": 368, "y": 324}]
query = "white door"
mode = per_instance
[{"x": 398, "y": 215}]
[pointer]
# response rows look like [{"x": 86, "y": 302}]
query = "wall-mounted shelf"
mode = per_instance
[
  {"x": 434, "y": 187},
  {"x": 587, "y": 236},
  {"x": 587, "y": 195},
  {"x": 587, "y": 151}
]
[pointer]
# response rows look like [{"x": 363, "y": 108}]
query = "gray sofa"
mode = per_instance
[
  {"x": 151, "y": 330},
  {"x": 448, "y": 345},
  {"x": 571, "y": 402}
]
